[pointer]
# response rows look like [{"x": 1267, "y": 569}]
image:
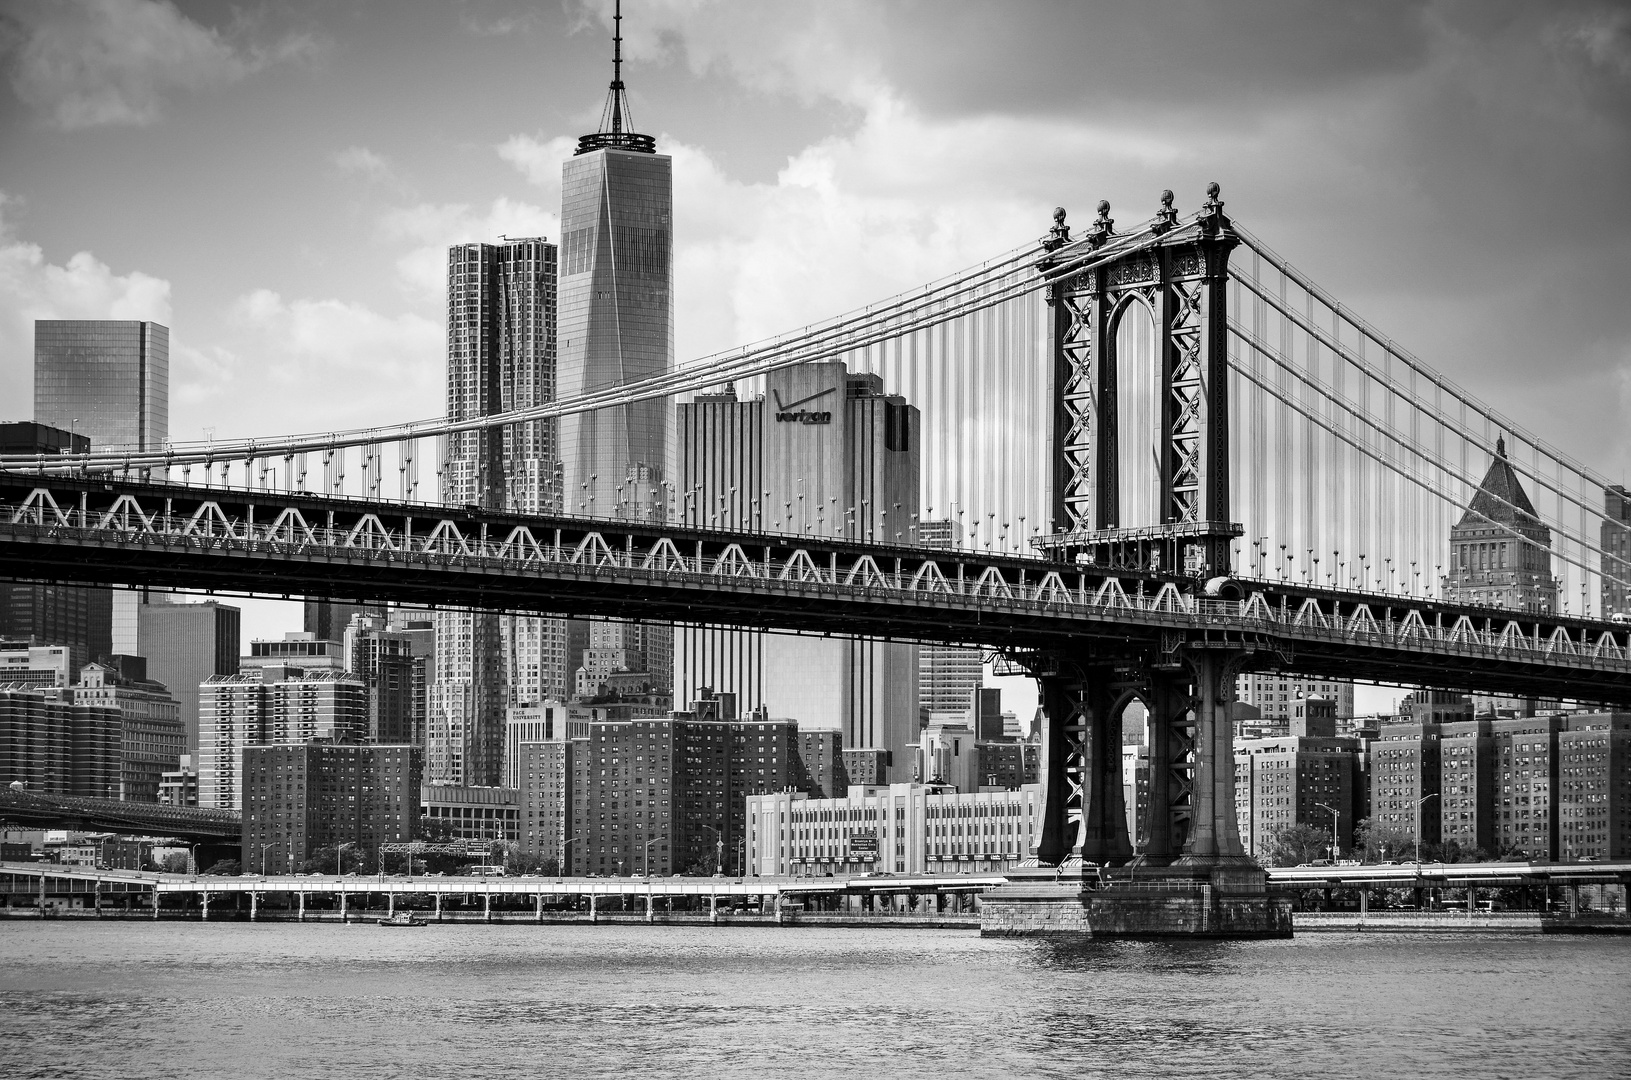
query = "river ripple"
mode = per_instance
[{"x": 136, "y": 999}]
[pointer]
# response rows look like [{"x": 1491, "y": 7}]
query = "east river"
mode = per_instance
[{"x": 137, "y": 999}]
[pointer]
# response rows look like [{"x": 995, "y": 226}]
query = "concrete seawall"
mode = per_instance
[{"x": 1483, "y": 922}]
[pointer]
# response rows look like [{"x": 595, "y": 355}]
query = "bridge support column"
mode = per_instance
[
  {"x": 1472, "y": 899},
  {"x": 1214, "y": 836},
  {"x": 206, "y": 906},
  {"x": 1364, "y": 901},
  {"x": 390, "y": 904},
  {"x": 539, "y": 916},
  {"x": 651, "y": 908},
  {"x": 254, "y": 907},
  {"x": 438, "y": 896},
  {"x": 594, "y": 916},
  {"x": 1082, "y": 816},
  {"x": 155, "y": 902},
  {"x": 1193, "y": 876},
  {"x": 300, "y": 916},
  {"x": 713, "y": 907},
  {"x": 343, "y": 917}
]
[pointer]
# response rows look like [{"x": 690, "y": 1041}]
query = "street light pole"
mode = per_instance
[
  {"x": 1419, "y": 803},
  {"x": 645, "y": 855},
  {"x": 719, "y": 850},
  {"x": 1334, "y": 816}
]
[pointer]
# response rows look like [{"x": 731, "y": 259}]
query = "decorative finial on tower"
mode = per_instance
[
  {"x": 1103, "y": 227},
  {"x": 1211, "y": 217},
  {"x": 1166, "y": 218},
  {"x": 1059, "y": 233},
  {"x": 616, "y": 116},
  {"x": 1500, "y": 446}
]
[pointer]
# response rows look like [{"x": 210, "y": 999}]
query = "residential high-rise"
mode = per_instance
[
  {"x": 185, "y": 645},
  {"x": 1276, "y": 695},
  {"x": 1594, "y": 787},
  {"x": 1616, "y": 549},
  {"x": 108, "y": 380},
  {"x": 1404, "y": 781},
  {"x": 57, "y": 746},
  {"x": 824, "y": 453},
  {"x": 152, "y": 738},
  {"x": 305, "y": 796},
  {"x": 1467, "y": 786},
  {"x": 1295, "y": 780},
  {"x": 383, "y": 659},
  {"x": 276, "y": 704},
  {"x": 24, "y": 663},
  {"x": 501, "y": 342},
  {"x": 1527, "y": 763},
  {"x": 947, "y": 674}
]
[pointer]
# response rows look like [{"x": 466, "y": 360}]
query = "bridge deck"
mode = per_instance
[{"x": 123, "y": 532}]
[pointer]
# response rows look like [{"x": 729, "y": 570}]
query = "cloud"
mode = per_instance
[
  {"x": 362, "y": 162},
  {"x": 82, "y": 288},
  {"x": 329, "y": 363},
  {"x": 432, "y": 228},
  {"x": 90, "y": 63}
]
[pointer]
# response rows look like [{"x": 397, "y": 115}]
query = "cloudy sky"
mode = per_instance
[{"x": 278, "y": 182}]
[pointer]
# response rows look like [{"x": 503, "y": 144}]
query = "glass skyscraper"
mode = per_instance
[
  {"x": 108, "y": 379},
  {"x": 617, "y": 327},
  {"x": 501, "y": 304}
]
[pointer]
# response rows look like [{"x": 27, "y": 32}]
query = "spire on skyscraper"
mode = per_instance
[{"x": 616, "y": 117}]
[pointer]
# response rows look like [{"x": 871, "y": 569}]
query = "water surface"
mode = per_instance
[{"x": 140, "y": 999}]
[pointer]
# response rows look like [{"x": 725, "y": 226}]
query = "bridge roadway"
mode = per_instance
[
  {"x": 194, "y": 825},
  {"x": 107, "y": 530}
]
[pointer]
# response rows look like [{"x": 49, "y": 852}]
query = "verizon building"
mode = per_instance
[{"x": 823, "y": 453}]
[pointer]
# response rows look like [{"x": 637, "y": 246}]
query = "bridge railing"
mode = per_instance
[{"x": 921, "y": 576}]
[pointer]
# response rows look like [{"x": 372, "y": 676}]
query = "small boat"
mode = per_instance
[{"x": 403, "y": 918}]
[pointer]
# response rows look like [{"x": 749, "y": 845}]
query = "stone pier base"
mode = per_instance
[{"x": 1216, "y": 902}]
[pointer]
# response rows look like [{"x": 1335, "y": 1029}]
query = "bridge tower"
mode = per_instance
[{"x": 1118, "y": 398}]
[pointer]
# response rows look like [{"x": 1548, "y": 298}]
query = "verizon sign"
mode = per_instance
[{"x": 789, "y": 412}]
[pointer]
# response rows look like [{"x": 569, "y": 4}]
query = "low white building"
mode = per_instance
[{"x": 898, "y": 829}]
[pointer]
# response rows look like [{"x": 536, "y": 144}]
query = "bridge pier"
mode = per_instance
[
  {"x": 713, "y": 907},
  {"x": 206, "y": 909},
  {"x": 254, "y": 907},
  {"x": 438, "y": 896},
  {"x": 301, "y": 916},
  {"x": 593, "y": 915},
  {"x": 539, "y": 916},
  {"x": 1191, "y": 876},
  {"x": 651, "y": 908},
  {"x": 487, "y": 906},
  {"x": 390, "y": 903},
  {"x": 343, "y": 917}
]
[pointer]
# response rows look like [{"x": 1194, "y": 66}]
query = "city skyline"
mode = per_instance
[{"x": 809, "y": 178}]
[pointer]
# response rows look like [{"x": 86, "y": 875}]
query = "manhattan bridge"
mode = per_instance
[{"x": 1176, "y": 459}]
